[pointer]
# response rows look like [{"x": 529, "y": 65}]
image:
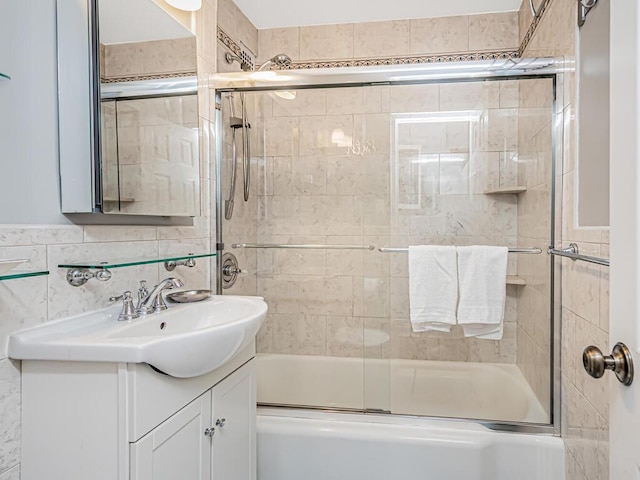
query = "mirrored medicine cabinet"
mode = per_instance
[{"x": 128, "y": 109}]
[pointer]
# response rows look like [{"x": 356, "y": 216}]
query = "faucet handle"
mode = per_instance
[
  {"x": 116, "y": 299},
  {"x": 142, "y": 293},
  {"x": 128, "y": 310}
]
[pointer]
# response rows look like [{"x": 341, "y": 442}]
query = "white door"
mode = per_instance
[
  {"x": 178, "y": 448},
  {"x": 234, "y": 417},
  {"x": 625, "y": 233}
]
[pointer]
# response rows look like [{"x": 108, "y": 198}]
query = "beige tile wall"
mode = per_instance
[
  {"x": 235, "y": 24},
  {"x": 427, "y": 36},
  {"x": 149, "y": 58},
  {"x": 332, "y": 176},
  {"x": 29, "y": 302},
  {"x": 302, "y": 166},
  {"x": 585, "y": 287},
  {"x": 534, "y": 229},
  {"x": 242, "y": 227}
]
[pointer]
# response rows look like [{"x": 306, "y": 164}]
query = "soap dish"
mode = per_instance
[{"x": 189, "y": 296}]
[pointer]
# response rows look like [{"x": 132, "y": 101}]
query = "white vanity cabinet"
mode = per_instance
[
  {"x": 177, "y": 448},
  {"x": 105, "y": 421}
]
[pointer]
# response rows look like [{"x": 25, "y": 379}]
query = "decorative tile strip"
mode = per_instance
[
  {"x": 236, "y": 49},
  {"x": 369, "y": 62},
  {"x": 228, "y": 42},
  {"x": 533, "y": 27},
  {"x": 136, "y": 78}
]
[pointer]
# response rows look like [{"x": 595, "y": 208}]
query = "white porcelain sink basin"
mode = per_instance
[{"x": 187, "y": 340}]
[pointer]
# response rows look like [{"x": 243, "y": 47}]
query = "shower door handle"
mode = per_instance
[{"x": 620, "y": 362}]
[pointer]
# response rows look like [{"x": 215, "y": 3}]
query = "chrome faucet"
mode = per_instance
[
  {"x": 142, "y": 293},
  {"x": 128, "y": 312},
  {"x": 153, "y": 301}
]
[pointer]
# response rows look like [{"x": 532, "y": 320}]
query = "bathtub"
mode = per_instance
[
  {"x": 312, "y": 445},
  {"x": 482, "y": 391},
  {"x": 308, "y": 444}
]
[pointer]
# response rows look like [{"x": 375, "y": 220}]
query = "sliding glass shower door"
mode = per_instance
[{"x": 343, "y": 181}]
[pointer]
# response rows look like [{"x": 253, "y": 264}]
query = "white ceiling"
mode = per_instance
[
  {"x": 292, "y": 13},
  {"x": 128, "y": 21}
]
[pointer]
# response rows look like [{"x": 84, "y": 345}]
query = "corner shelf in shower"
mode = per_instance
[
  {"x": 506, "y": 190},
  {"x": 515, "y": 280},
  {"x": 18, "y": 274},
  {"x": 78, "y": 273},
  {"x": 119, "y": 200}
]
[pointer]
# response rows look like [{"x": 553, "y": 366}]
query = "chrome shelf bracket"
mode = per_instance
[
  {"x": 79, "y": 276},
  {"x": 573, "y": 252},
  {"x": 171, "y": 265}
]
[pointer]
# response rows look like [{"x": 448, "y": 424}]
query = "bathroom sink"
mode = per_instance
[{"x": 187, "y": 340}]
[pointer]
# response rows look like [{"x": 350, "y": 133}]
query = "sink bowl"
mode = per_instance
[{"x": 187, "y": 340}]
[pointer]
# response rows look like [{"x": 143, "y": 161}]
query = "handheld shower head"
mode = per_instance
[{"x": 281, "y": 61}]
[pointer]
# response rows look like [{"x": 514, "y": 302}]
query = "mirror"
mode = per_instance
[
  {"x": 593, "y": 119},
  {"x": 150, "y": 160},
  {"x": 143, "y": 110}
]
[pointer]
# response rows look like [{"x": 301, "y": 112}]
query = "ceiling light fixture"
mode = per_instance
[{"x": 187, "y": 5}]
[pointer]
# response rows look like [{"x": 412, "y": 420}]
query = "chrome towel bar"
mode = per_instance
[
  {"x": 305, "y": 247},
  {"x": 530, "y": 251},
  {"x": 573, "y": 252}
]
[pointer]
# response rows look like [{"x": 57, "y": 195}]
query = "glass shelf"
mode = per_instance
[
  {"x": 131, "y": 263},
  {"x": 4, "y": 76},
  {"x": 515, "y": 189},
  {"x": 19, "y": 274}
]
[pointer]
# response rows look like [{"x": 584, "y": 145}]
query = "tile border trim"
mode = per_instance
[
  {"x": 408, "y": 60},
  {"x": 135, "y": 78},
  {"x": 531, "y": 31},
  {"x": 229, "y": 42}
]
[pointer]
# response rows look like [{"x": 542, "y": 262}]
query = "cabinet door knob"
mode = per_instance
[
  {"x": 620, "y": 362},
  {"x": 220, "y": 422},
  {"x": 209, "y": 432}
]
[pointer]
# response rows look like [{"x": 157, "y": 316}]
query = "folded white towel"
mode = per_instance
[
  {"x": 433, "y": 287},
  {"x": 482, "y": 276}
]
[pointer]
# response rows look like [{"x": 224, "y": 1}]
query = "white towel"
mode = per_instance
[
  {"x": 433, "y": 288},
  {"x": 482, "y": 276}
]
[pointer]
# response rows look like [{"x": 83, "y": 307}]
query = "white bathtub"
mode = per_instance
[
  {"x": 311, "y": 445},
  {"x": 482, "y": 391}
]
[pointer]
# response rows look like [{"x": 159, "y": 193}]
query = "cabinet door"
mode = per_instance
[
  {"x": 178, "y": 448},
  {"x": 234, "y": 417}
]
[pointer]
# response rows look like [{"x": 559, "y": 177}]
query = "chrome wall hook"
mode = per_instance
[{"x": 584, "y": 7}]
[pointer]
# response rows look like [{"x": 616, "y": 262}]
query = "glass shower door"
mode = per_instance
[{"x": 343, "y": 181}]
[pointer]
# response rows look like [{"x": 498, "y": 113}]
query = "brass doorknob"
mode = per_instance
[{"x": 620, "y": 362}]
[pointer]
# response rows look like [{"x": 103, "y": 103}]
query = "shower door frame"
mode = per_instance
[{"x": 449, "y": 72}]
